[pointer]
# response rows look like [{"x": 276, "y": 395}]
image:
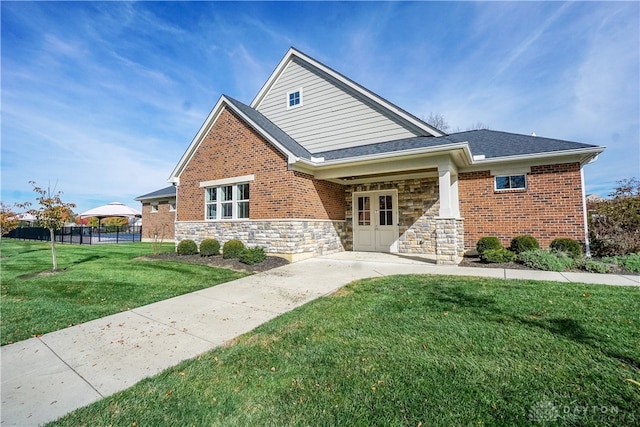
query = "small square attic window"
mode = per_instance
[{"x": 294, "y": 99}]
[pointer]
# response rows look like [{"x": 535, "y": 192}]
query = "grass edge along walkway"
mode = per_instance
[
  {"x": 411, "y": 350},
  {"x": 97, "y": 281}
]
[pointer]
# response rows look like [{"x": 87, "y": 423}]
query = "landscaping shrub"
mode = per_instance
[
  {"x": 187, "y": 247},
  {"x": 209, "y": 247},
  {"x": 524, "y": 243},
  {"x": 591, "y": 265},
  {"x": 253, "y": 256},
  {"x": 497, "y": 255},
  {"x": 545, "y": 260},
  {"x": 232, "y": 249},
  {"x": 629, "y": 262},
  {"x": 571, "y": 247},
  {"x": 489, "y": 242},
  {"x": 614, "y": 224}
]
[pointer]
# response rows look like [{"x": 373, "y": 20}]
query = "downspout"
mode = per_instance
[{"x": 587, "y": 245}]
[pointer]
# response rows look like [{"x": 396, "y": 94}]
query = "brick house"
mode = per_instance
[
  {"x": 318, "y": 164},
  {"x": 158, "y": 214}
]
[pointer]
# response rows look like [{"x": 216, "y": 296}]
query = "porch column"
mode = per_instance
[
  {"x": 449, "y": 225},
  {"x": 448, "y": 186}
]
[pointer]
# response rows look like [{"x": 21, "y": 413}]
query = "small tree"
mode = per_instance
[
  {"x": 8, "y": 219},
  {"x": 51, "y": 214},
  {"x": 437, "y": 121},
  {"x": 614, "y": 224}
]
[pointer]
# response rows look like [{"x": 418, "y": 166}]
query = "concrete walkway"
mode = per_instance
[{"x": 44, "y": 378}]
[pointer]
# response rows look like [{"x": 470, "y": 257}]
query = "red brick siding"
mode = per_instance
[
  {"x": 160, "y": 222},
  {"x": 232, "y": 148},
  {"x": 550, "y": 207}
]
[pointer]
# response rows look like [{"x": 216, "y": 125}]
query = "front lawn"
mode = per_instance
[
  {"x": 411, "y": 351},
  {"x": 98, "y": 280}
]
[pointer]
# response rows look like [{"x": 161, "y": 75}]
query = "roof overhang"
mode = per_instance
[{"x": 458, "y": 155}]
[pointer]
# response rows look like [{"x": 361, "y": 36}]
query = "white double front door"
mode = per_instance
[{"x": 375, "y": 221}]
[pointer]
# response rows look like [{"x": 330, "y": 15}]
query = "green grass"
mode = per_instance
[
  {"x": 97, "y": 281},
  {"x": 411, "y": 351}
]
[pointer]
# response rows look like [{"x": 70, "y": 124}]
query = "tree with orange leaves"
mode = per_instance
[{"x": 52, "y": 213}]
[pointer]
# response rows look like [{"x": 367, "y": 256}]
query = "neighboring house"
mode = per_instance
[
  {"x": 318, "y": 164},
  {"x": 159, "y": 214}
]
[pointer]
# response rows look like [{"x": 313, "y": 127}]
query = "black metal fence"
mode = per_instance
[{"x": 81, "y": 235}]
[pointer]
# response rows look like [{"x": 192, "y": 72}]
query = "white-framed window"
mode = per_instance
[
  {"x": 227, "y": 201},
  {"x": 511, "y": 182},
  {"x": 154, "y": 207},
  {"x": 294, "y": 99},
  {"x": 172, "y": 206}
]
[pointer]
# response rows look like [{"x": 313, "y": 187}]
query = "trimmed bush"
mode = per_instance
[
  {"x": 545, "y": 260},
  {"x": 209, "y": 247},
  {"x": 232, "y": 249},
  {"x": 629, "y": 262},
  {"x": 187, "y": 247},
  {"x": 571, "y": 247},
  {"x": 253, "y": 256},
  {"x": 489, "y": 242},
  {"x": 524, "y": 243},
  {"x": 592, "y": 266},
  {"x": 497, "y": 255}
]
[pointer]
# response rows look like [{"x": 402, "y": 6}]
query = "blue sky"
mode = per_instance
[{"x": 101, "y": 99}]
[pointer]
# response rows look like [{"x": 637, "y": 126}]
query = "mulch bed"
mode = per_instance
[
  {"x": 218, "y": 261},
  {"x": 474, "y": 261}
]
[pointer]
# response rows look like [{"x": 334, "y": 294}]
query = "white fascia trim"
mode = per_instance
[
  {"x": 589, "y": 152},
  {"x": 292, "y": 52},
  {"x": 227, "y": 181},
  {"x": 390, "y": 155},
  {"x": 195, "y": 142},
  {"x": 206, "y": 126},
  {"x": 290, "y": 156}
]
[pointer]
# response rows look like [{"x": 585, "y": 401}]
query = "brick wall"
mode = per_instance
[
  {"x": 160, "y": 223},
  {"x": 232, "y": 148},
  {"x": 550, "y": 207}
]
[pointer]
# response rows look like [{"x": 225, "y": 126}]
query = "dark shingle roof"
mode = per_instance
[
  {"x": 384, "y": 147},
  {"x": 494, "y": 144},
  {"x": 491, "y": 144},
  {"x": 274, "y": 131},
  {"x": 158, "y": 194}
]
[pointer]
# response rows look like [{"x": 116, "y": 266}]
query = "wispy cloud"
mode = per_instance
[{"x": 106, "y": 96}]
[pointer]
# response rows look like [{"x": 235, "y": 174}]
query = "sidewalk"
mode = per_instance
[{"x": 44, "y": 378}]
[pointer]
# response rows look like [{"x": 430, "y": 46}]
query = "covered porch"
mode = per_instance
[{"x": 407, "y": 205}]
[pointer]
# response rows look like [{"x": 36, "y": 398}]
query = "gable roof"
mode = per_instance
[
  {"x": 339, "y": 79},
  {"x": 167, "y": 192},
  {"x": 471, "y": 147},
  {"x": 272, "y": 133},
  {"x": 265, "y": 125}
]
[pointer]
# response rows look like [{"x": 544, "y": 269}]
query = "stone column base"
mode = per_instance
[{"x": 449, "y": 240}]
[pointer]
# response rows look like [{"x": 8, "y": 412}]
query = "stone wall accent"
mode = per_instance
[
  {"x": 449, "y": 240},
  {"x": 293, "y": 239},
  {"x": 418, "y": 205},
  {"x": 550, "y": 207}
]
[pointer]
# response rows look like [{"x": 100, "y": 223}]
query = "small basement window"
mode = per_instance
[
  {"x": 294, "y": 99},
  {"x": 511, "y": 182}
]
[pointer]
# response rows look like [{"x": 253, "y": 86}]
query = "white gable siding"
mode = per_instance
[{"x": 332, "y": 115}]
